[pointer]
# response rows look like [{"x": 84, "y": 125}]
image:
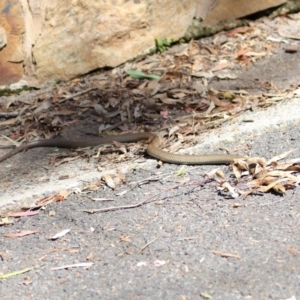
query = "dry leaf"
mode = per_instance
[
  {"x": 220, "y": 174},
  {"x": 230, "y": 189},
  {"x": 109, "y": 181},
  {"x": 12, "y": 274},
  {"x": 220, "y": 66},
  {"x": 46, "y": 200},
  {"x": 28, "y": 213},
  {"x": 79, "y": 265},
  {"x": 280, "y": 156},
  {"x": 20, "y": 234},
  {"x": 271, "y": 185},
  {"x": 224, "y": 254},
  {"x": 124, "y": 238},
  {"x": 59, "y": 234}
]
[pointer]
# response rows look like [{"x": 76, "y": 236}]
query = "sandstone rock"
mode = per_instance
[
  {"x": 233, "y": 9},
  {"x": 83, "y": 35},
  {"x": 52, "y": 40},
  {"x": 11, "y": 53}
]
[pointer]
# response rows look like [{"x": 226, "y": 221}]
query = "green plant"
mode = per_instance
[{"x": 162, "y": 44}]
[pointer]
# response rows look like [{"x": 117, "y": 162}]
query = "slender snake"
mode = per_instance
[{"x": 152, "y": 149}]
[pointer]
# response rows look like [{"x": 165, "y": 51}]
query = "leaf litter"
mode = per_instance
[{"x": 256, "y": 175}]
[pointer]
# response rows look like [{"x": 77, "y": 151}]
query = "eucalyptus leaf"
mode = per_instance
[
  {"x": 141, "y": 75},
  {"x": 7, "y": 275}
]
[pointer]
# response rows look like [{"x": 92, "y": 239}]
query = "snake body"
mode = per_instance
[{"x": 152, "y": 149}]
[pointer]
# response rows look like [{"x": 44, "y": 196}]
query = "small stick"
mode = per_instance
[
  {"x": 9, "y": 114},
  {"x": 112, "y": 208},
  {"x": 145, "y": 201},
  {"x": 77, "y": 94},
  {"x": 147, "y": 245}
]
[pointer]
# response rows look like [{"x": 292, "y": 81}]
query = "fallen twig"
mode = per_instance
[
  {"x": 9, "y": 114},
  {"x": 77, "y": 94},
  {"x": 143, "y": 248},
  {"x": 145, "y": 201},
  {"x": 151, "y": 178}
]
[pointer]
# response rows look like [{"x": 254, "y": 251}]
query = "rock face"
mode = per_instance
[
  {"x": 83, "y": 35},
  {"x": 232, "y": 9},
  {"x": 43, "y": 40},
  {"x": 11, "y": 48}
]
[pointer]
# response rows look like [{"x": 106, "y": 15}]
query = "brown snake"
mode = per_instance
[{"x": 152, "y": 149}]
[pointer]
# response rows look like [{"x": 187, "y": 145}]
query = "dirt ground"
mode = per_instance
[{"x": 189, "y": 240}]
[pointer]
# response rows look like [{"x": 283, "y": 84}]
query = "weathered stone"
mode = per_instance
[
  {"x": 3, "y": 37},
  {"x": 233, "y": 9},
  {"x": 83, "y": 35},
  {"x": 52, "y": 39},
  {"x": 11, "y": 53}
]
